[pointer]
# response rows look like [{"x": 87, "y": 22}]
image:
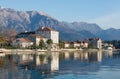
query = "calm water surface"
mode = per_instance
[{"x": 61, "y": 65}]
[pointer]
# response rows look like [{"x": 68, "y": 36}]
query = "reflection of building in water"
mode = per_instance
[
  {"x": 89, "y": 56},
  {"x": 67, "y": 55},
  {"x": 109, "y": 53},
  {"x": 92, "y": 56},
  {"x": 76, "y": 55},
  {"x": 39, "y": 59},
  {"x": 22, "y": 58},
  {"x": 84, "y": 56},
  {"x": 54, "y": 65},
  {"x": 25, "y": 57},
  {"x": 49, "y": 62},
  {"x": 95, "y": 56},
  {"x": 99, "y": 56}
]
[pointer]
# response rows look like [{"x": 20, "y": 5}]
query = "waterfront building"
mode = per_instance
[
  {"x": 74, "y": 44},
  {"x": 66, "y": 44},
  {"x": 95, "y": 43},
  {"x": 22, "y": 42},
  {"x": 43, "y": 33},
  {"x": 36, "y": 39},
  {"x": 48, "y": 33},
  {"x": 83, "y": 44}
]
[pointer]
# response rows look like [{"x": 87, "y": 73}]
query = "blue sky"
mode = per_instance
[{"x": 105, "y": 13}]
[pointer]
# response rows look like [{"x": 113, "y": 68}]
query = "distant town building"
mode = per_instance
[
  {"x": 94, "y": 43},
  {"x": 84, "y": 44},
  {"x": 75, "y": 44},
  {"x": 66, "y": 44}
]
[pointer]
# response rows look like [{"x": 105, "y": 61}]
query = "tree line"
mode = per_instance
[{"x": 115, "y": 43}]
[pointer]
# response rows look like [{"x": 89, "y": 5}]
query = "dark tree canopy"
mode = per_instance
[
  {"x": 42, "y": 44},
  {"x": 49, "y": 41}
]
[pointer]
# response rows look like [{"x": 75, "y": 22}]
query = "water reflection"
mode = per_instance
[{"x": 44, "y": 65}]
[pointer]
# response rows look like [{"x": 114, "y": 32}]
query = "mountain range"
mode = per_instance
[{"x": 32, "y": 20}]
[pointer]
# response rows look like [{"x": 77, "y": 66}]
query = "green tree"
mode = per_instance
[
  {"x": 49, "y": 42},
  {"x": 1, "y": 41},
  {"x": 91, "y": 46},
  {"x": 61, "y": 44},
  {"x": 42, "y": 44}
]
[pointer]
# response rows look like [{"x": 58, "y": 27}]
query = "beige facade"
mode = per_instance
[
  {"x": 22, "y": 42},
  {"x": 85, "y": 45},
  {"x": 75, "y": 44},
  {"x": 66, "y": 45},
  {"x": 36, "y": 39}
]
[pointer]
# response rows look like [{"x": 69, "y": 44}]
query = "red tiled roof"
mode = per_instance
[
  {"x": 66, "y": 43},
  {"x": 24, "y": 40},
  {"x": 45, "y": 29},
  {"x": 34, "y": 35}
]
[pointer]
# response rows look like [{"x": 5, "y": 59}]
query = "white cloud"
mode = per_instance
[{"x": 111, "y": 20}]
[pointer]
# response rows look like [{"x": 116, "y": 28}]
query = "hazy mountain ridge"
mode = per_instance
[{"x": 31, "y": 20}]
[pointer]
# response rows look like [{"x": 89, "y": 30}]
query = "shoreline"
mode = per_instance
[{"x": 29, "y": 51}]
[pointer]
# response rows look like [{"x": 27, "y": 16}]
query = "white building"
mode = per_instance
[
  {"x": 66, "y": 44},
  {"x": 48, "y": 33},
  {"x": 22, "y": 42},
  {"x": 75, "y": 44},
  {"x": 36, "y": 39},
  {"x": 99, "y": 43}
]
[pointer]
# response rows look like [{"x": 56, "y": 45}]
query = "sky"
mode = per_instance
[{"x": 105, "y": 13}]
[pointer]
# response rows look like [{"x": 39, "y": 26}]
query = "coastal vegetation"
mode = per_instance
[
  {"x": 115, "y": 43},
  {"x": 42, "y": 44},
  {"x": 49, "y": 42},
  {"x": 1, "y": 41},
  {"x": 61, "y": 44}
]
